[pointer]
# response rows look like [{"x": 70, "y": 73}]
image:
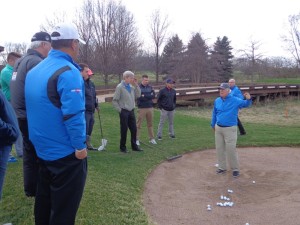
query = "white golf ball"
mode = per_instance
[
  {"x": 208, "y": 209},
  {"x": 208, "y": 206},
  {"x": 247, "y": 224},
  {"x": 217, "y": 165},
  {"x": 253, "y": 182}
]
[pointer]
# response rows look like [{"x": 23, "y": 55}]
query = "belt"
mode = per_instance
[{"x": 223, "y": 125}]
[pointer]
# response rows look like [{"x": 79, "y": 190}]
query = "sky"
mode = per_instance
[{"x": 240, "y": 20}]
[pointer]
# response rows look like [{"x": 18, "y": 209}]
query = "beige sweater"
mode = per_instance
[{"x": 123, "y": 99}]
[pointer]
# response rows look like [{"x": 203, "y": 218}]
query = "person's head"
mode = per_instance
[
  {"x": 224, "y": 90},
  {"x": 84, "y": 70},
  {"x": 170, "y": 83},
  {"x": 128, "y": 77},
  {"x": 145, "y": 80},
  {"x": 41, "y": 42},
  {"x": 12, "y": 58},
  {"x": 231, "y": 82},
  {"x": 65, "y": 38}
]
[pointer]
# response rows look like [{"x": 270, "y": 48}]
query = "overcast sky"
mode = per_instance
[{"x": 239, "y": 20}]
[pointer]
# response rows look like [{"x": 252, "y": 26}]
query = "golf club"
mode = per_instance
[{"x": 103, "y": 140}]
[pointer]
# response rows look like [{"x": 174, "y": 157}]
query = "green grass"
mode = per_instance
[{"x": 115, "y": 183}]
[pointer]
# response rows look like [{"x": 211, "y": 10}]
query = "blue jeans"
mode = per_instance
[{"x": 4, "y": 154}]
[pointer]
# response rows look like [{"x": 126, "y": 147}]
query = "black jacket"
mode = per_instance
[
  {"x": 147, "y": 94},
  {"x": 166, "y": 99},
  {"x": 17, "y": 84},
  {"x": 9, "y": 130},
  {"x": 90, "y": 96}
]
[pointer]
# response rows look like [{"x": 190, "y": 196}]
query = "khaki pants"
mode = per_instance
[
  {"x": 142, "y": 114},
  {"x": 225, "y": 140}
]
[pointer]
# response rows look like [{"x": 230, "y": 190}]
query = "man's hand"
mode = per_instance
[
  {"x": 81, "y": 154},
  {"x": 247, "y": 95},
  {"x": 135, "y": 82}
]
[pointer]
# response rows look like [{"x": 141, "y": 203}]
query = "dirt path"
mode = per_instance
[{"x": 178, "y": 192}]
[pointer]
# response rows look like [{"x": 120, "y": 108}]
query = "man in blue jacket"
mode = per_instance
[
  {"x": 9, "y": 133},
  {"x": 55, "y": 103},
  {"x": 224, "y": 123},
  {"x": 235, "y": 91}
]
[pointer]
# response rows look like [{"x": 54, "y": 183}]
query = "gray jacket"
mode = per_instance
[
  {"x": 17, "y": 84},
  {"x": 123, "y": 99}
]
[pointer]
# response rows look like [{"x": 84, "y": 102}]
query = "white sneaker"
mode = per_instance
[
  {"x": 138, "y": 142},
  {"x": 152, "y": 141}
]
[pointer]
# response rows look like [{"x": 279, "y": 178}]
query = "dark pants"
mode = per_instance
[
  {"x": 30, "y": 161},
  {"x": 127, "y": 120},
  {"x": 89, "y": 119},
  {"x": 59, "y": 191},
  {"x": 241, "y": 128}
]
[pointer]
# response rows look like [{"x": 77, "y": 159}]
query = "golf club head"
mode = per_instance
[{"x": 101, "y": 148}]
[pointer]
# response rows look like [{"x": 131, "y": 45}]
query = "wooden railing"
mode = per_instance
[{"x": 257, "y": 90}]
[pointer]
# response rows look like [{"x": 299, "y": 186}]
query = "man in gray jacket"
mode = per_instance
[
  {"x": 38, "y": 50},
  {"x": 124, "y": 102}
]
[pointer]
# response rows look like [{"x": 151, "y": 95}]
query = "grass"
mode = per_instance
[{"x": 115, "y": 183}]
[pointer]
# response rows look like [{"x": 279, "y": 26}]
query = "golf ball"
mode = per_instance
[
  {"x": 253, "y": 182},
  {"x": 217, "y": 165}
]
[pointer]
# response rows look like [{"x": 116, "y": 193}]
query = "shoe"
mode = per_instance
[
  {"x": 12, "y": 159},
  {"x": 152, "y": 141},
  {"x": 92, "y": 148},
  {"x": 138, "y": 142},
  {"x": 220, "y": 171},
  {"x": 138, "y": 149},
  {"x": 124, "y": 150},
  {"x": 235, "y": 174},
  {"x": 159, "y": 138},
  {"x": 243, "y": 133},
  {"x": 172, "y": 136}
]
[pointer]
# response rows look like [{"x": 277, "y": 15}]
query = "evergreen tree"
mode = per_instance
[
  {"x": 197, "y": 59},
  {"x": 172, "y": 57},
  {"x": 221, "y": 59}
]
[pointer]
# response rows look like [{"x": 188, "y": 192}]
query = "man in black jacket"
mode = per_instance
[
  {"x": 38, "y": 50},
  {"x": 91, "y": 103},
  {"x": 145, "y": 109},
  {"x": 166, "y": 102}
]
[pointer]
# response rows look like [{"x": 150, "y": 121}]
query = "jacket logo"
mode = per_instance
[{"x": 77, "y": 90}]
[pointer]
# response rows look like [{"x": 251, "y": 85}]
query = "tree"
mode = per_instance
[
  {"x": 196, "y": 59},
  {"x": 292, "y": 39},
  {"x": 221, "y": 59},
  {"x": 158, "y": 29},
  {"x": 252, "y": 55},
  {"x": 111, "y": 36},
  {"x": 172, "y": 57}
]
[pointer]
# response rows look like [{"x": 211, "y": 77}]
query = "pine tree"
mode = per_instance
[
  {"x": 172, "y": 56},
  {"x": 221, "y": 59}
]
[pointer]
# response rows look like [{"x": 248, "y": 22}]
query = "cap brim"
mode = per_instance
[{"x": 82, "y": 41}]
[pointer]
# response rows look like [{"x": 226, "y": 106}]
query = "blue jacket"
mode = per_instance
[
  {"x": 236, "y": 92},
  {"x": 147, "y": 94},
  {"x": 55, "y": 103},
  {"x": 226, "y": 110},
  {"x": 9, "y": 130}
]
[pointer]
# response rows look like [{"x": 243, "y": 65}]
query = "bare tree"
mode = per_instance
[
  {"x": 292, "y": 39},
  {"x": 158, "y": 29},
  {"x": 12, "y": 47},
  {"x": 253, "y": 55}
]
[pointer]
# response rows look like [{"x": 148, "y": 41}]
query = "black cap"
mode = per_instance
[{"x": 41, "y": 36}]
